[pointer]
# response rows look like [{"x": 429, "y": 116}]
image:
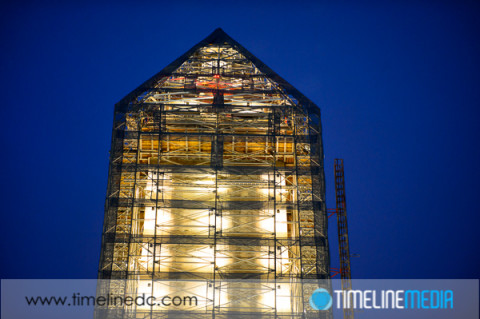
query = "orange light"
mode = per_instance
[{"x": 217, "y": 76}]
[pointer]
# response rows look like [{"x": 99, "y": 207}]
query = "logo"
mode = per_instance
[{"x": 321, "y": 299}]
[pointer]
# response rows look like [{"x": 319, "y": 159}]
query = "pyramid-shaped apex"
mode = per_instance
[
  {"x": 219, "y": 31},
  {"x": 218, "y": 36}
]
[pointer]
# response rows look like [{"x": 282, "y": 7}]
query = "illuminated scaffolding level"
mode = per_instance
[{"x": 216, "y": 173}]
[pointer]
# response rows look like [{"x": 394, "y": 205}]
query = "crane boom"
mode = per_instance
[{"x": 343, "y": 245}]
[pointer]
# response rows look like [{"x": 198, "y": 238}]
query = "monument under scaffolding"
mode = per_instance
[{"x": 216, "y": 178}]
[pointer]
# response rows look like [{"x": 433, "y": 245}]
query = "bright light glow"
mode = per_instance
[
  {"x": 221, "y": 259},
  {"x": 282, "y": 294},
  {"x": 206, "y": 254},
  {"x": 267, "y": 224},
  {"x": 161, "y": 288},
  {"x": 149, "y": 224},
  {"x": 205, "y": 182},
  {"x": 143, "y": 288},
  {"x": 281, "y": 223},
  {"x": 265, "y": 191},
  {"x": 163, "y": 217},
  {"x": 155, "y": 218}
]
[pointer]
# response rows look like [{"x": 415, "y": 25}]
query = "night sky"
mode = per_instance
[{"x": 398, "y": 86}]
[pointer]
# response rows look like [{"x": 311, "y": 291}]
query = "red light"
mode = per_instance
[{"x": 217, "y": 76}]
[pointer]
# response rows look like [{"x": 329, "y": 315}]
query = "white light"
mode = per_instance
[{"x": 205, "y": 182}]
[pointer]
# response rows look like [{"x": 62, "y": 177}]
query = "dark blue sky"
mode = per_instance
[{"x": 398, "y": 86}]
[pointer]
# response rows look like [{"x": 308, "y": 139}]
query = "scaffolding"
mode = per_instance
[
  {"x": 216, "y": 174},
  {"x": 342, "y": 228}
]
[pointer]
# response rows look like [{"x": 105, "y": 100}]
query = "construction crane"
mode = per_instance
[{"x": 342, "y": 226}]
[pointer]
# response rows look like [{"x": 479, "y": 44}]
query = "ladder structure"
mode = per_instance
[{"x": 343, "y": 245}]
